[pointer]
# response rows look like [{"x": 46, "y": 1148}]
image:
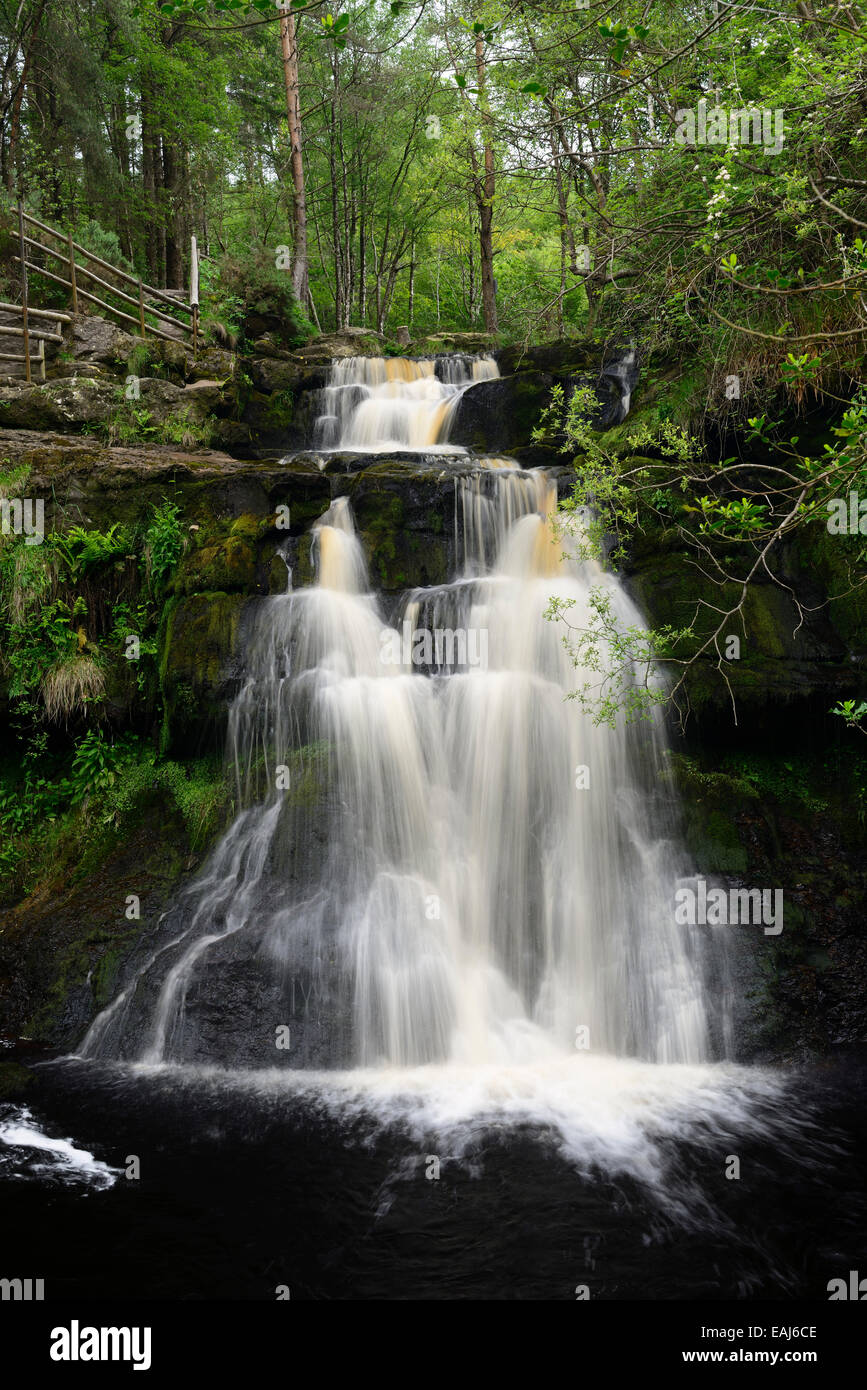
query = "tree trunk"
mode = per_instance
[
  {"x": 15, "y": 128},
  {"x": 149, "y": 185},
  {"x": 411, "y": 306},
  {"x": 485, "y": 200},
  {"x": 174, "y": 216},
  {"x": 289, "y": 43}
]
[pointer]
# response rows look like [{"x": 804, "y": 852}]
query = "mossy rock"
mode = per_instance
[
  {"x": 713, "y": 841},
  {"x": 403, "y": 516},
  {"x": 198, "y": 664},
  {"x": 227, "y": 565}
]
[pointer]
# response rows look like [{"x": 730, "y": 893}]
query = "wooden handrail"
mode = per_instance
[
  {"x": 68, "y": 261},
  {"x": 36, "y": 313},
  {"x": 24, "y": 293},
  {"x": 84, "y": 294},
  {"x": 34, "y": 332},
  {"x": 150, "y": 290},
  {"x": 112, "y": 289}
]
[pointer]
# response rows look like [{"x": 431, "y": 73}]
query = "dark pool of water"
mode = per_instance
[{"x": 237, "y": 1197}]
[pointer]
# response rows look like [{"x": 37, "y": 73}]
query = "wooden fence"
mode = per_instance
[{"x": 77, "y": 261}]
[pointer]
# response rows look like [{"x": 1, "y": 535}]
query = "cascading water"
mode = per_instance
[
  {"x": 496, "y": 872},
  {"x": 442, "y": 923},
  {"x": 380, "y": 404}
]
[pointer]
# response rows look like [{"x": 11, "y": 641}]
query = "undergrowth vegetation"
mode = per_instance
[
  {"x": 79, "y": 618},
  {"x": 72, "y": 810}
]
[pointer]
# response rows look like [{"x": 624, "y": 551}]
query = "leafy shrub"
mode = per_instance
[
  {"x": 257, "y": 289},
  {"x": 164, "y": 544},
  {"x": 83, "y": 550}
]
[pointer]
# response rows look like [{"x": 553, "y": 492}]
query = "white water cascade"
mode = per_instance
[
  {"x": 382, "y": 404},
  {"x": 495, "y": 874}
]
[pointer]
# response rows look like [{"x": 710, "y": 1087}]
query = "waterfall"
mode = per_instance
[
  {"x": 439, "y": 857},
  {"x": 439, "y": 938},
  {"x": 381, "y": 404}
]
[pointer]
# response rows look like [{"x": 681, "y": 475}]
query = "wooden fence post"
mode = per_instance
[
  {"x": 72, "y": 280},
  {"x": 194, "y": 292},
  {"x": 25, "y": 324},
  {"x": 141, "y": 317}
]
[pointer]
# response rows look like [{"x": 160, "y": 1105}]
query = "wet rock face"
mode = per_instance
[
  {"x": 499, "y": 416},
  {"x": 272, "y": 995},
  {"x": 200, "y": 668}
]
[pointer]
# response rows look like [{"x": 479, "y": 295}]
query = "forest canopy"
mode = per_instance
[{"x": 678, "y": 173}]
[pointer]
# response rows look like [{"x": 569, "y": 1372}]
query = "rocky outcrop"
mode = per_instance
[
  {"x": 239, "y": 544},
  {"x": 200, "y": 667},
  {"x": 792, "y": 663},
  {"x": 500, "y": 415}
]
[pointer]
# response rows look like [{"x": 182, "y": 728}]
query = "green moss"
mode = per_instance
[
  {"x": 828, "y": 559},
  {"x": 13, "y": 1080},
  {"x": 226, "y": 564},
  {"x": 713, "y": 841},
  {"x": 197, "y": 639},
  {"x": 380, "y": 538},
  {"x": 105, "y": 971},
  {"x": 250, "y": 527},
  {"x": 280, "y": 411}
]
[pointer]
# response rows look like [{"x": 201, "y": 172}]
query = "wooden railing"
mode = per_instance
[
  {"x": 71, "y": 259},
  {"x": 29, "y": 330}
]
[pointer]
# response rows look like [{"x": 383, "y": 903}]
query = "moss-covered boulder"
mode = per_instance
[
  {"x": 64, "y": 404},
  {"x": 437, "y": 343},
  {"x": 782, "y": 653},
  {"x": 62, "y": 947},
  {"x": 499, "y": 416}
]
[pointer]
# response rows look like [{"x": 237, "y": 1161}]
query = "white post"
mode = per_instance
[{"x": 194, "y": 290}]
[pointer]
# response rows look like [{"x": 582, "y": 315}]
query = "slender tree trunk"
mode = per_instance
[
  {"x": 15, "y": 128},
  {"x": 289, "y": 44},
  {"x": 149, "y": 185},
  {"x": 485, "y": 200},
  {"x": 339, "y": 285},
  {"x": 174, "y": 215},
  {"x": 120, "y": 146},
  {"x": 161, "y": 210},
  {"x": 411, "y": 305},
  {"x": 362, "y": 269}
]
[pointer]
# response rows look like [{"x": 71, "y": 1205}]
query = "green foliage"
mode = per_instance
[
  {"x": 199, "y": 790},
  {"x": 163, "y": 544},
  {"x": 616, "y": 662},
  {"x": 249, "y": 284},
  {"x": 68, "y": 814},
  {"x": 182, "y": 428},
  {"x": 604, "y": 496},
  {"x": 53, "y": 657},
  {"x": 82, "y": 550},
  {"x": 853, "y": 711},
  {"x": 94, "y": 765}
]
